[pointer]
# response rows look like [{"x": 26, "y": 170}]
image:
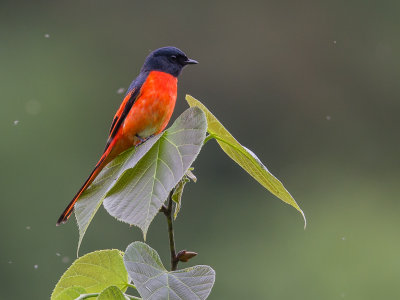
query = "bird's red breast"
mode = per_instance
[{"x": 151, "y": 111}]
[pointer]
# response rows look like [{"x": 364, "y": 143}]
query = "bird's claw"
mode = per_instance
[{"x": 142, "y": 140}]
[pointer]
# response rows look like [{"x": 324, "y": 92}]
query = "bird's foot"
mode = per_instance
[{"x": 142, "y": 140}]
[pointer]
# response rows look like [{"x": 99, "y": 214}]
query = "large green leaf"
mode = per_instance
[
  {"x": 91, "y": 199},
  {"x": 178, "y": 147},
  {"x": 244, "y": 157},
  {"x": 154, "y": 282},
  {"x": 92, "y": 273},
  {"x": 139, "y": 193}
]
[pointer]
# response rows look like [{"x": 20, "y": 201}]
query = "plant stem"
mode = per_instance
[
  {"x": 86, "y": 296},
  {"x": 208, "y": 137},
  {"x": 132, "y": 297},
  {"x": 131, "y": 285},
  {"x": 168, "y": 213}
]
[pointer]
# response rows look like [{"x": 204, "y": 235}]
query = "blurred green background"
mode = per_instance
[{"x": 311, "y": 87}]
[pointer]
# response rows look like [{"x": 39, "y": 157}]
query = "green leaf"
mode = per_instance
[
  {"x": 244, "y": 157},
  {"x": 178, "y": 191},
  {"x": 133, "y": 181},
  {"x": 153, "y": 281},
  {"x": 139, "y": 193},
  {"x": 92, "y": 273},
  {"x": 191, "y": 176},
  {"x": 72, "y": 292},
  {"x": 177, "y": 195},
  {"x": 91, "y": 199},
  {"x": 112, "y": 293}
]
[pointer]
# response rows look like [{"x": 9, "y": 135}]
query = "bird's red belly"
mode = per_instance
[{"x": 153, "y": 109}]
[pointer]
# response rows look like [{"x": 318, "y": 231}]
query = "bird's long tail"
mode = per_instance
[{"x": 105, "y": 158}]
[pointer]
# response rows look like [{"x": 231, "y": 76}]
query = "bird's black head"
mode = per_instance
[{"x": 167, "y": 59}]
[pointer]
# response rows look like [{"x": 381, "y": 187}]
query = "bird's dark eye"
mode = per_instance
[{"x": 173, "y": 57}]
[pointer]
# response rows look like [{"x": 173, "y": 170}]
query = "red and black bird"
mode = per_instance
[{"x": 145, "y": 111}]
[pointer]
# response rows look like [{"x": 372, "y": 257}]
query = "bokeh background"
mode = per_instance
[{"x": 311, "y": 87}]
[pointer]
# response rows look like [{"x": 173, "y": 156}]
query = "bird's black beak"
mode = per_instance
[{"x": 191, "y": 62}]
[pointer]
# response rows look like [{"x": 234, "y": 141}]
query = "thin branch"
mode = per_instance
[{"x": 167, "y": 210}]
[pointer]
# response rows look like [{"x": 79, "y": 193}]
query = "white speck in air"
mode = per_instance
[
  {"x": 47, "y": 36},
  {"x": 36, "y": 266},
  {"x": 58, "y": 254},
  {"x": 334, "y": 42},
  {"x": 120, "y": 91},
  {"x": 343, "y": 238},
  {"x": 328, "y": 118},
  {"x": 28, "y": 227},
  {"x": 16, "y": 122}
]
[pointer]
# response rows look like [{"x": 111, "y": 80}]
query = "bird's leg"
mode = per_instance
[{"x": 142, "y": 140}]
